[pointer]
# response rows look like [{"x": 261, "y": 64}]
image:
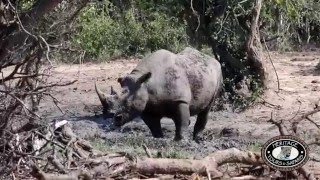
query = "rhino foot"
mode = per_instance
[
  {"x": 198, "y": 139},
  {"x": 178, "y": 138},
  {"x": 157, "y": 135},
  {"x": 201, "y": 122}
]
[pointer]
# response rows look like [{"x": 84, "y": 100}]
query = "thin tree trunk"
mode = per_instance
[{"x": 254, "y": 47}]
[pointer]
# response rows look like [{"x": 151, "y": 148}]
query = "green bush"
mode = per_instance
[{"x": 104, "y": 36}]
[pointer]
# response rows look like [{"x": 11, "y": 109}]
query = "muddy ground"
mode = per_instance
[{"x": 299, "y": 81}]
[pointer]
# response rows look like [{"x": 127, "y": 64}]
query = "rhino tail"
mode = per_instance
[{"x": 101, "y": 96}]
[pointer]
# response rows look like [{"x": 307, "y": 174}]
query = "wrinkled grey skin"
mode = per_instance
[{"x": 170, "y": 85}]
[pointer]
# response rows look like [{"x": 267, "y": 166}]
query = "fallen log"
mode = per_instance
[{"x": 152, "y": 166}]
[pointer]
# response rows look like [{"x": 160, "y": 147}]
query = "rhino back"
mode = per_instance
[
  {"x": 168, "y": 81},
  {"x": 188, "y": 76}
]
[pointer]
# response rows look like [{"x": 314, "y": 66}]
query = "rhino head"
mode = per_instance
[
  {"x": 110, "y": 102},
  {"x": 133, "y": 98}
]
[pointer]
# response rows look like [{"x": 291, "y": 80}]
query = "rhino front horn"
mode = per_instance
[{"x": 101, "y": 96}]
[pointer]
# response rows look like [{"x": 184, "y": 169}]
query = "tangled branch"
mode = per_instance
[{"x": 25, "y": 68}]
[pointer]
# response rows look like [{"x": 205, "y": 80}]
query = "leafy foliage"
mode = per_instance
[
  {"x": 132, "y": 28},
  {"x": 105, "y": 32},
  {"x": 110, "y": 29},
  {"x": 295, "y": 21}
]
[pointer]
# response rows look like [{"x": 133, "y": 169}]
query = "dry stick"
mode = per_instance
[
  {"x": 314, "y": 157},
  {"x": 208, "y": 174},
  {"x": 246, "y": 177},
  {"x": 304, "y": 116},
  {"x": 26, "y": 76},
  {"x": 274, "y": 68},
  {"x": 73, "y": 176},
  {"x": 300, "y": 103},
  {"x": 266, "y": 102},
  {"x": 14, "y": 71},
  {"x": 69, "y": 154},
  {"x": 282, "y": 129},
  {"x": 57, "y": 164},
  {"x": 13, "y": 176},
  {"x": 222, "y": 23},
  {"x": 309, "y": 119},
  {"x": 196, "y": 14},
  {"x": 48, "y": 49},
  {"x": 152, "y": 178},
  {"x": 48, "y": 140},
  {"x": 55, "y": 101},
  {"x": 195, "y": 176},
  {"x": 55, "y": 85},
  {"x": 80, "y": 146},
  {"x": 315, "y": 141},
  {"x": 24, "y": 106},
  {"x": 306, "y": 173},
  {"x": 146, "y": 149}
]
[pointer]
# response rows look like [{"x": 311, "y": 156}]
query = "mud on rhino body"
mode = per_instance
[{"x": 170, "y": 85}]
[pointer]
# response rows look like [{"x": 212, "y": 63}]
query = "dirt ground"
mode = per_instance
[{"x": 299, "y": 81}]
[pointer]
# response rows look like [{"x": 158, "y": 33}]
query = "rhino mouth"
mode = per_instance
[
  {"x": 107, "y": 114},
  {"x": 118, "y": 120}
]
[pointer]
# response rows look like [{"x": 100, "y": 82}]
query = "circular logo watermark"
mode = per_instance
[{"x": 285, "y": 153}]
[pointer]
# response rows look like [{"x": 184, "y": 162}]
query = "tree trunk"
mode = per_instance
[{"x": 254, "y": 47}]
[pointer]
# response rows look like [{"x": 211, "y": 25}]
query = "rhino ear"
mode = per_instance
[
  {"x": 144, "y": 78},
  {"x": 119, "y": 80}
]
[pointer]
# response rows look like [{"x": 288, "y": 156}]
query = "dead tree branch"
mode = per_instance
[
  {"x": 304, "y": 116},
  {"x": 293, "y": 131},
  {"x": 274, "y": 68}
]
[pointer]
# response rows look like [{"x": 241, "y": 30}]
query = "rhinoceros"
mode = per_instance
[{"x": 165, "y": 84}]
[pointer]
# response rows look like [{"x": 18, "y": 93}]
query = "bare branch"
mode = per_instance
[
  {"x": 274, "y": 68},
  {"x": 303, "y": 117},
  {"x": 24, "y": 106},
  {"x": 196, "y": 14},
  {"x": 282, "y": 129},
  {"x": 146, "y": 149},
  {"x": 55, "y": 85}
]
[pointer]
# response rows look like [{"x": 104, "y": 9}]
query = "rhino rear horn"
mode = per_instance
[{"x": 101, "y": 96}]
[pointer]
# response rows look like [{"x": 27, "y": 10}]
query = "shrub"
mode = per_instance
[{"x": 104, "y": 35}]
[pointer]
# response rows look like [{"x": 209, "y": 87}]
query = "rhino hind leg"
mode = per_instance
[
  {"x": 201, "y": 122},
  {"x": 181, "y": 120},
  {"x": 154, "y": 125}
]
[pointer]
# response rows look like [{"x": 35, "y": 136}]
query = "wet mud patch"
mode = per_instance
[
  {"x": 132, "y": 136},
  {"x": 132, "y": 142}
]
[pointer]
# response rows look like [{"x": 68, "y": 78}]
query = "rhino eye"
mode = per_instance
[{"x": 116, "y": 97}]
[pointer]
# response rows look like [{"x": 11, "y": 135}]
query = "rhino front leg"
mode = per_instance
[
  {"x": 154, "y": 125},
  {"x": 201, "y": 122},
  {"x": 181, "y": 120}
]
